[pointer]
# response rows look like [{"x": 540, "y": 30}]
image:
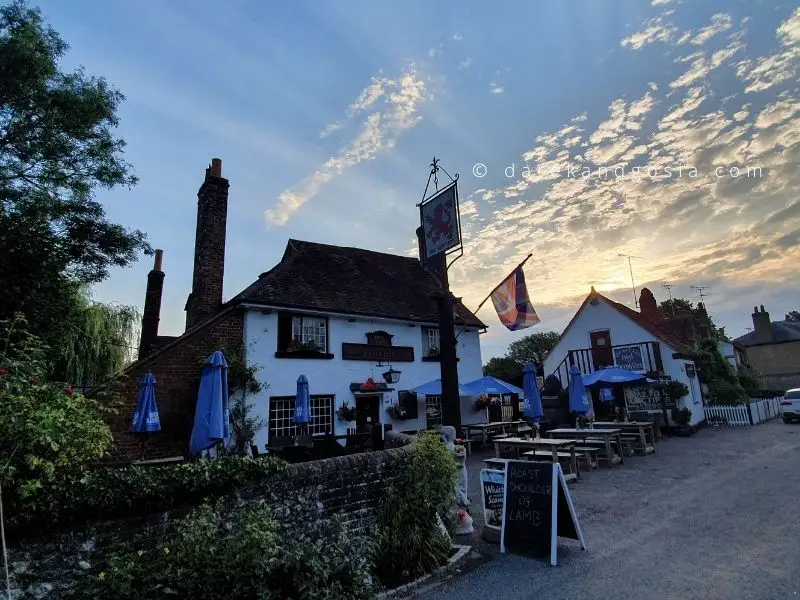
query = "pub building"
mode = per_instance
[
  {"x": 361, "y": 326},
  {"x": 605, "y": 333}
]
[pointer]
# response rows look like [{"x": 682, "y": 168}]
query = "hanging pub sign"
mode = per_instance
[
  {"x": 537, "y": 510},
  {"x": 441, "y": 225}
]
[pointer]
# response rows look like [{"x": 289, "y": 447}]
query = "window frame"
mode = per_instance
[
  {"x": 432, "y": 400},
  {"x": 291, "y": 430},
  {"x": 285, "y": 336}
]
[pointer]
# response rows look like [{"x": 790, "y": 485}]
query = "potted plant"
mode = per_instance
[
  {"x": 346, "y": 412},
  {"x": 682, "y": 417},
  {"x": 396, "y": 412},
  {"x": 433, "y": 352}
]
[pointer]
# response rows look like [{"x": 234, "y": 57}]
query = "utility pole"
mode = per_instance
[{"x": 633, "y": 285}]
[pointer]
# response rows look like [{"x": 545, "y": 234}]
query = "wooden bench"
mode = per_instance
[
  {"x": 567, "y": 456},
  {"x": 601, "y": 446},
  {"x": 588, "y": 454}
]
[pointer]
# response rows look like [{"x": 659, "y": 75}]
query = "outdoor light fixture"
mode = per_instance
[{"x": 391, "y": 376}]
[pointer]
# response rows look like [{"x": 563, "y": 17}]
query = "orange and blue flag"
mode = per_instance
[{"x": 512, "y": 304}]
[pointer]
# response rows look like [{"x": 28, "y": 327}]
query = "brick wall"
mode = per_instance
[
  {"x": 177, "y": 371},
  {"x": 352, "y": 486}
]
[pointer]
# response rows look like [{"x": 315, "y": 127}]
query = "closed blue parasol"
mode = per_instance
[
  {"x": 211, "y": 418},
  {"x": 302, "y": 402},
  {"x": 611, "y": 376},
  {"x": 533, "y": 401},
  {"x": 578, "y": 403},
  {"x": 145, "y": 419}
]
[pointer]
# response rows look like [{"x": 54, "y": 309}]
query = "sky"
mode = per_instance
[{"x": 666, "y": 130}]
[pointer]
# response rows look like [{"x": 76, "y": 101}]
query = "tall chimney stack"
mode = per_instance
[
  {"x": 209, "y": 247},
  {"x": 762, "y": 326},
  {"x": 152, "y": 307}
]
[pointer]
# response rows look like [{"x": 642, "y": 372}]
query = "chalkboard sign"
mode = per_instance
[
  {"x": 537, "y": 509},
  {"x": 629, "y": 357},
  {"x": 493, "y": 485}
]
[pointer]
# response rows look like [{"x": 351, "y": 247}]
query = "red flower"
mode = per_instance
[
  {"x": 69, "y": 390},
  {"x": 3, "y": 371}
]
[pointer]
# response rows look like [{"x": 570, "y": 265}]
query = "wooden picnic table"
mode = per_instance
[
  {"x": 485, "y": 429},
  {"x": 542, "y": 444},
  {"x": 604, "y": 434},
  {"x": 642, "y": 428}
]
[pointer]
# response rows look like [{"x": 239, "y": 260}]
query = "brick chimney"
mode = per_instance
[
  {"x": 648, "y": 306},
  {"x": 762, "y": 326},
  {"x": 152, "y": 307},
  {"x": 209, "y": 247}
]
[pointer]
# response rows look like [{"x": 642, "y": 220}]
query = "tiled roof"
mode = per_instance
[
  {"x": 673, "y": 338},
  {"x": 782, "y": 331},
  {"x": 351, "y": 281}
]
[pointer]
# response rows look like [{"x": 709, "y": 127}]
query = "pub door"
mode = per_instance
[
  {"x": 602, "y": 355},
  {"x": 369, "y": 412}
]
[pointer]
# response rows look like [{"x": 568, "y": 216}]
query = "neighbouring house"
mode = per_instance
[
  {"x": 605, "y": 333},
  {"x": 773, "y": 350},
  {"x": 735, "y": 354},
  {"x": 340, "y": 316}
]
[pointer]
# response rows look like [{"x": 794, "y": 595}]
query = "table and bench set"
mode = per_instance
[{"x": 607, "y": 442}]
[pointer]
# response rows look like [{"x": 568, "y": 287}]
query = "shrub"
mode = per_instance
[
  {"x": 675, "y": 390},
  {"x": 244, "y": 554},
  {"x": 681, "y": 416},
  {"x": 726, "y": 393},
  {"x": 48, "y": 432},
  {"x": 408, "y": 542},
  {"x": 113, "y": 492},
  {"x": 552, "y": 385}
]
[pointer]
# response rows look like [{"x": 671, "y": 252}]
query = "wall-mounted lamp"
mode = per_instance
[{"x": 391, "y": 376}]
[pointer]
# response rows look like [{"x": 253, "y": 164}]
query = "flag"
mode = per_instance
[{"x": 512, "y": 304}]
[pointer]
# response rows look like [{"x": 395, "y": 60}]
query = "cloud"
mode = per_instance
[
  {"x": 496, "y": 89},
  {"x": 720, "y": 23},
  {"x": 655, "y": 30},
  {"x": 660, "y": 2},
  {"x": 457, "y": 37},
  {"x": 366, "y": 99},
  {"x": 401, "y": 100},
  {"x": 768, "y": 71},
  {"x": 465, "y": 63}
]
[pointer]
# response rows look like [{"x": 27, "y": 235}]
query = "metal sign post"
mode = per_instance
[{"x": 439, "y": 237}]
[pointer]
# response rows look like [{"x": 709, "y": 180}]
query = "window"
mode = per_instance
[
  {"x": 430, "y": 341},
  {"x": 281, "y": 416},
  {"x": 311, "y": 330},
  {"x": 302, "y": 336},
  {"x": 433, "y": 411}
]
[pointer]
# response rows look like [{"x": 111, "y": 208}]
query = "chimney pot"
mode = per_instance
[
  {"x": 216, "y": 167},
  {"x": 755, "y": 309},
  {"x": 158, "y": 259},
  {"x": 762, "y": 308}
]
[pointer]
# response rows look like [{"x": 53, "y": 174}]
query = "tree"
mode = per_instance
[
  {"x": 97, "y": 341},
  {"x": 792, "y": 315},
  {"x": 534, "y": 348},
  {"x": 56, "y": 147},
  {"x": 674, "y": 307},
  {"x": 503, "y": 368}
]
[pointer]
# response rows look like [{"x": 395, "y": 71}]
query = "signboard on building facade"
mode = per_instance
[
  {"x": 440, "y": 222},
  {"x": 629, "y": 358}
]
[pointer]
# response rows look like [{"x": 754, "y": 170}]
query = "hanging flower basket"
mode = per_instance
[
  {"x": 369, "y": 385},
  {"x": 346, "y": 412},
  {"x": 482, "y": 403}
]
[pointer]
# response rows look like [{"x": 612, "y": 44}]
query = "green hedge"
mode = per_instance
[{"x": 109, "y": 493}]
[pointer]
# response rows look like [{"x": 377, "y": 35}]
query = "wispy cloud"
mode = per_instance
[
  {"x": 465, "y": 63},
  {"x": 401, "y": 99},
  {"x": 768, "y": 71},
  {"x": 720, "y": 23},
  {"x": 655, "y": 30},
  {"x": 457, "y": 37},
  {"x": 496, "y": 89}
]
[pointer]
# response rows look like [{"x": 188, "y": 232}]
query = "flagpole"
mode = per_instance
[{"x": 502, "y": 282}]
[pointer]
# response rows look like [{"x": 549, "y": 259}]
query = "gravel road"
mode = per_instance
[{"x": 714, "y": 516}]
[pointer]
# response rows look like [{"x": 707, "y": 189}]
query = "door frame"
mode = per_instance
[
  {"x": 374, "y": 399},
  {"x": 598, "y": 348}
]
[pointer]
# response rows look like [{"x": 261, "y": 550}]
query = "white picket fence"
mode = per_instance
[{"x": 745, "y": 415}]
